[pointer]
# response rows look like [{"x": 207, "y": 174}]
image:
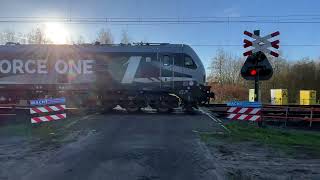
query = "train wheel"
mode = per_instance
[
  {"x": 164, "y": 107},
  {"x": 107, "y": 106},
  {"x": 132, "y": 107},
  {"x": 189, "y": 110},
  {"x": 108, "y": 109}
]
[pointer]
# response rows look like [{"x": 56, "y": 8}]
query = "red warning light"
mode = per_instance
[{"x": 253, "y": 72}]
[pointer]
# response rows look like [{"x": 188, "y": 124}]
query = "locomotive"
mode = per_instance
[{"x": 160, "y": 75}]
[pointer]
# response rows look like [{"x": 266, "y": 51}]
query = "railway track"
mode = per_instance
[
  {"x": 12, "y": 113},
  {"x": 270, "y": 113}
]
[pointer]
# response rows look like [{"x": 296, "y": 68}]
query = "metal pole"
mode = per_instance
[
  {"x": 256, "y": 81},
  {"x": 256, "y": 89}
]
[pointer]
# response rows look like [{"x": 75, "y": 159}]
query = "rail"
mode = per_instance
[
  {"x": 284, "y": 113},
  {"x": 5, "y": 108}
]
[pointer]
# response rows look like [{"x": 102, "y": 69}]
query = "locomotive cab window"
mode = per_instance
[
  {"x": 189, "y": 63},
  {"x": 166, "y": 60}
]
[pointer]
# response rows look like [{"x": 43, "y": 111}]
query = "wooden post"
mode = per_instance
[
  {"x": 285, "y": 123},
  {"x": 261, "y": 122},
  {"x": 311, "y": 115}
]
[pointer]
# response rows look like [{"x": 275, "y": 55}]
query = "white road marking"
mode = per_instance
[
  {"x": 76, "y": 121},
  {"x": 214, "y": 119}
]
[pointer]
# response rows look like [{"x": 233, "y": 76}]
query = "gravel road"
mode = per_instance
[{"x": 121, "y": 146}]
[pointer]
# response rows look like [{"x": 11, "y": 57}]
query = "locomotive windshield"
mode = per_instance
[{"x": 189, "y": 63}]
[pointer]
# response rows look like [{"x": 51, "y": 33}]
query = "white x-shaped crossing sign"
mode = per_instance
[{"x": 261, "y": 44}]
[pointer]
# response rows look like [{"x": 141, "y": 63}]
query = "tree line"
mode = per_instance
[
  {"x": 38, "y": 36},
  {"x": 227, "y": 83}
]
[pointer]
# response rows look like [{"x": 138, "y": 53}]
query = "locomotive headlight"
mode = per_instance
[{"x": 191, "y": 83}]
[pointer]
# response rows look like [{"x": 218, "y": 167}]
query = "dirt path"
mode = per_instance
[{"x": 250, "y": 160}]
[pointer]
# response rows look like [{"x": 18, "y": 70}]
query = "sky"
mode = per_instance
[{"x": 221, "y": 35}]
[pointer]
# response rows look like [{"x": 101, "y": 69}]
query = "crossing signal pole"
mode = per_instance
[
  {"x": 256, "y": 80},
  {"x": 257, "y": 66}
]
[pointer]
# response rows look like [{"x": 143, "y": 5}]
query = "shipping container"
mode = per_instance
[
  {"x": 279, "y": 96},
  {"x": 308, "y": 97},
  {"x": 251, "y": 95}
]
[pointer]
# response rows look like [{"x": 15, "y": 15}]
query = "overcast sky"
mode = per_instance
[{"x": 194, "y": 34}]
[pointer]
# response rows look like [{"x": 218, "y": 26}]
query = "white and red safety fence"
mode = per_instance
[
  {"x": 244, "y": 113},
  {"x": 48, "y": 118},
  {"x": 45, "y": 109}
]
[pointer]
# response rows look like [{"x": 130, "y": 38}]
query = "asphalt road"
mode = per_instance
[{"x": 124, "y": 146}]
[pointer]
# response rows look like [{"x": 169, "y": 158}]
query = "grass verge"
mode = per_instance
[
  {"x": 44, "y": 131},
  {"x": 284, "y": 138}
]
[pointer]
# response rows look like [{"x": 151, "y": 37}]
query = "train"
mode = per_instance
[{"x": 163, "y": 76}]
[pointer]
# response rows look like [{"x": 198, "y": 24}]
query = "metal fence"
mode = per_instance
[{"x": 280, "y": 113}]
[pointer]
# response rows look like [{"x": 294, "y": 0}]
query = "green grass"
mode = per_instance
[
  {"x": 45, "y": 131},
  {"x": 14, "y": 130},
  {"x": 287, "y": 139}
]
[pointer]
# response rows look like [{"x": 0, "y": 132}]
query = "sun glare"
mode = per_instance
[{"x": 56, "y": 33}]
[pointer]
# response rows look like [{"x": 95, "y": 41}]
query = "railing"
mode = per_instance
[{"x": 284, "y": 113}]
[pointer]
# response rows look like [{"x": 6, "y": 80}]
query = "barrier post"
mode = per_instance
[
  {"x": 311, "y": 115},
  {"x": 287, "y": 110},
  {"x": 28, "y": 125},
  {"x": 262, "y": 124}
]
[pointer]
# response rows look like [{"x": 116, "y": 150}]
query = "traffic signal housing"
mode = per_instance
[{"x": 257, "y": 67}]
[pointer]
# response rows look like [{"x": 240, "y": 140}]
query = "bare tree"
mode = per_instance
[
  {"x": 294, "y": 76},
  {"x": 125, "y": 39},
  {"x": 225, "y": 68},
  {"x": 225, "y": 77},
  {"x": 22, "y": 38},
  {"x": 80, "y": 40},
  {"x": 37, "y": 36},
  {"x": 145, "y": 40},
  {"x": 8, "y": 36},
  {"x": 105, "y": 36}
]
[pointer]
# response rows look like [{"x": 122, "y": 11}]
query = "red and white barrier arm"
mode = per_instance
[
  {"x": 244, "y": 117},
  {"x": 48, "y": 118},
  {"x": 46, "y": 109},
  {"x": 240, "y": 110}
]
